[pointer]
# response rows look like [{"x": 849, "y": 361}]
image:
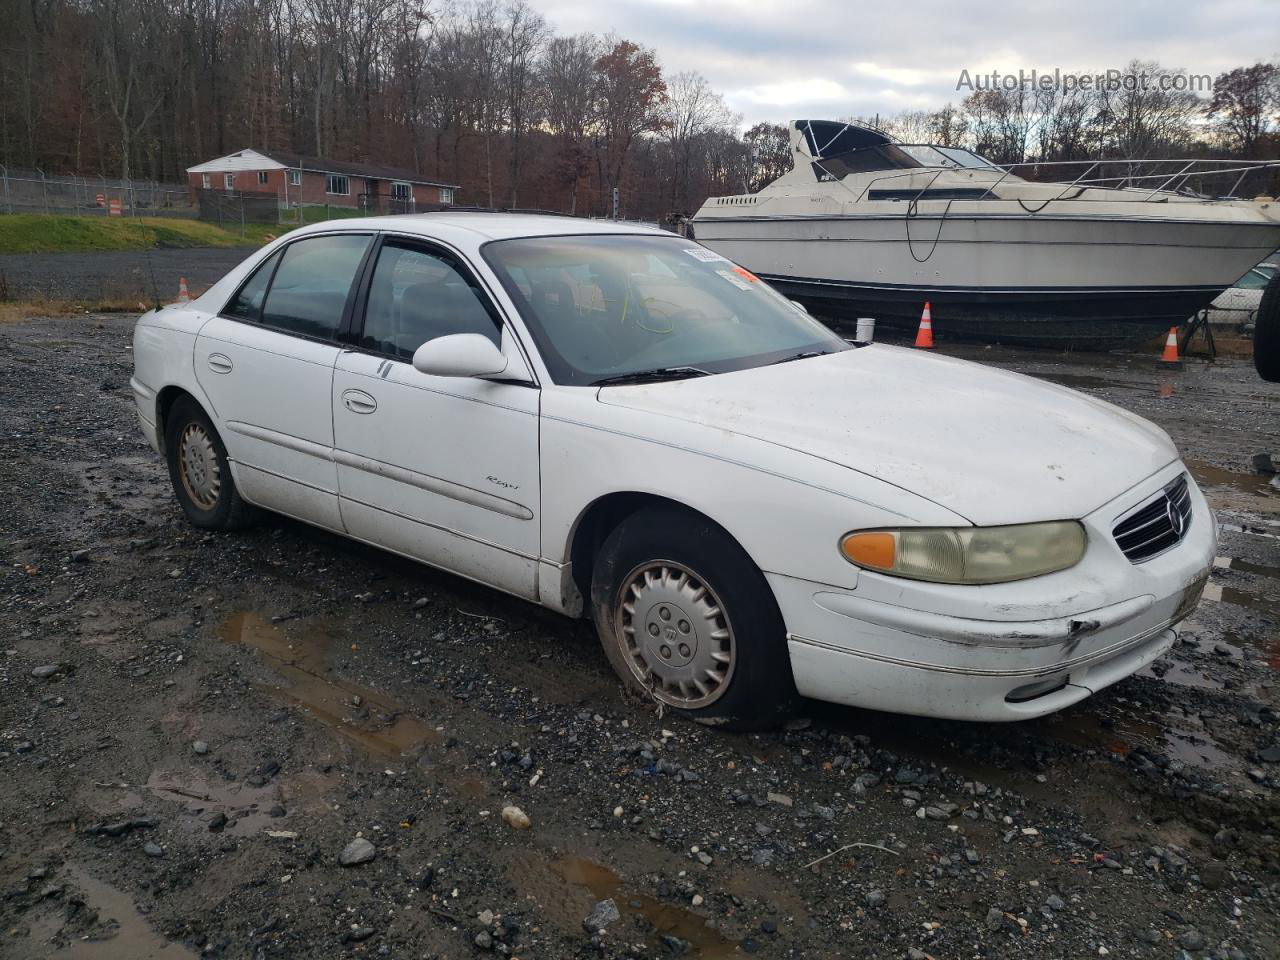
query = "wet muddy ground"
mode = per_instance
[{"x": 194, "y": 727}]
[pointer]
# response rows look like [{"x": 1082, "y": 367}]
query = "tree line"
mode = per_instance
[{"x": 485, "y": 94}]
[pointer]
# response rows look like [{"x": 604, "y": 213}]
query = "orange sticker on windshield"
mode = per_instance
[{"x": 746, "y": 274}]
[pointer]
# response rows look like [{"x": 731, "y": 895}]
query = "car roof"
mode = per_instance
[{"x": 485, "y": 226}]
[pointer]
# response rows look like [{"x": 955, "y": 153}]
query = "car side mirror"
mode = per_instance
[{"x": 460, "y": 355}]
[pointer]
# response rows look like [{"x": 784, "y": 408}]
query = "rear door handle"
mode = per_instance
[
  {"x": 220, "y": 363},
  {"x": 357, "y": 401}
]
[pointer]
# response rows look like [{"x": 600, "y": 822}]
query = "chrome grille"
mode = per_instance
[{"x": 1156, "y": 526}]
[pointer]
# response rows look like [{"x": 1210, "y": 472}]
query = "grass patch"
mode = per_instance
[
  {"x": 15, "y": 311},
  {"x": 43, "y": 233}
]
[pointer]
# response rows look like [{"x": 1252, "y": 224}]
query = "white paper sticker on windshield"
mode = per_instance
[
  {"x": 703, "y": 254},
  {"x": 736, "y": 280}
]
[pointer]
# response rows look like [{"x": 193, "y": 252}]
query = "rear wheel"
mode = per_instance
[
  {"x": 199, "y": 471},
  {"x": 687, "y": 619},
  {"x": 1266, "y": 333}
]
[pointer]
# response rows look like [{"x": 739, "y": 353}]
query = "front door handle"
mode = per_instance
[
  {"x": 357, "y": 401},
  {"x": 220, "y": 363}
]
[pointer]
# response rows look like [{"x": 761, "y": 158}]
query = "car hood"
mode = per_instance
[{"x": 992, "y": 446}]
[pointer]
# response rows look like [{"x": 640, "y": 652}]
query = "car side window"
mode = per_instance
[
  {"x": 309, "y": 291},
  {"x": 415, "y": 296},
  {"x": 247, "y": 303}
]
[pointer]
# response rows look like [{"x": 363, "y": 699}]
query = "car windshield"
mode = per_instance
[{"x": 604, "y": 307}]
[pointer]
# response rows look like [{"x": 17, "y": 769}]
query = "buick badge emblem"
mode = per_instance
[{"x": 1175, "y": 517}]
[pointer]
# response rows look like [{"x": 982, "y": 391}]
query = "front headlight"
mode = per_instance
[{"x": 968, "y": 554}]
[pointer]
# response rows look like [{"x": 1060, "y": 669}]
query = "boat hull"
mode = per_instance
[
  {"x": 1086, "y": 280},
  {"x": 1098, "y": 319}
]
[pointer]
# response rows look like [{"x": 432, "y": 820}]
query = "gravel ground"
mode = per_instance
[
  {"x": 198, "y": 731},
  {"x": 128, "y": 274}
]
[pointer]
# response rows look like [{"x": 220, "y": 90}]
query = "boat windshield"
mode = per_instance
[
  {"x": 887, "y": 156},
  {"x": 614, "y": 308},
  {"x": 967, "y": 158},
  {"x": 929, "y": 155}
]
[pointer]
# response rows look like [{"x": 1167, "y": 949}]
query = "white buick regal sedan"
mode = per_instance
[{"x": 617, "y": 423}]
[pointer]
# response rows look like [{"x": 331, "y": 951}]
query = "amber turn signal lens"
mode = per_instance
[{"x": 876, "y": 550}]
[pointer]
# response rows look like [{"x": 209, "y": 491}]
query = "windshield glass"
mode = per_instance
[
  {"x": 605, "y": 306},
  {"x": 888, "y": 156},
  {"x": 927, "y": 155},
  {"x": 1256, "y": 279},
  {"x": 933, "y": 156},
  {"x": 966, "y": 158}
]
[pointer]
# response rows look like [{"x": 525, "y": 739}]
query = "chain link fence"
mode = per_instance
[
  {"x": 33, "y": 191},
  {"x": 237, "y": 209}
]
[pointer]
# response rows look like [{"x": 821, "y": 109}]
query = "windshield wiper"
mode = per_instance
[
  {"x": 649, "y": 376},
  {"x": 802, "y": 355}
]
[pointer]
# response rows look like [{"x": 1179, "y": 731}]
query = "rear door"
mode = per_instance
[
  {"x": 266, "y": 363},
  {"x": 444, "y": 469}
]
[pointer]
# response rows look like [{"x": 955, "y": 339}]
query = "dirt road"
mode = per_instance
[{"x": 197, "y": 730}]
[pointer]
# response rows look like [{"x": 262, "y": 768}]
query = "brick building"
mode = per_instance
[{"x": 295, "y": 180}]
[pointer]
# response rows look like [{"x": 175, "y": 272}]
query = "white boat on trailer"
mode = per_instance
[{"x": 865, "y": 226}]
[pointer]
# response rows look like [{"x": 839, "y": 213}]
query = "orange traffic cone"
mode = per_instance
[
  {"x": 1170, "y": 356},
  {"x": 183, "y": 296},
  {"x": 924, "y": 336}
]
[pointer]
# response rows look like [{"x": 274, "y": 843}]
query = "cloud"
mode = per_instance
[{"x": 786, "y": 59}]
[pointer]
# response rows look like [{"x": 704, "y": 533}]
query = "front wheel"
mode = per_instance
[{"x": 687, "y": 619}]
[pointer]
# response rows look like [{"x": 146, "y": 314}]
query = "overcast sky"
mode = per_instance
[{"x": 781, "y": 60}]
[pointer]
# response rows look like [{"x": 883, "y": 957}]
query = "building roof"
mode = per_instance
[{"x": 248, "y": 160}]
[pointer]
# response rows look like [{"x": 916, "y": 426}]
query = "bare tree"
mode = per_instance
[
  {"x": 124, "y": 58},
  {"x": 631, "y": 95},
  {"x": 524, "y": 32},
  {"x": 691, "y": 110},
  {"x": 769, "y": 150},
  {"x": 568, "y": 82},
  {"x": 1143, "y": 120},
  {"x": 1245, "y": 102}
]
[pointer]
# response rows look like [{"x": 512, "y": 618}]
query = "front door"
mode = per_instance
[
  {"x": 266, "y": 365},
  {"x": 443, "y": 469}
]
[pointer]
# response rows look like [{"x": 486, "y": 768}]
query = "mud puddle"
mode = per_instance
[
  {"x": 1184, "y": 675},
  {"x": 664, "y": 919},
  {"x": 1263, "y": 644},
  {"x": 1122, "y": 735},
  {"x": 1249, "y": 601},
  {"x": 121, "y": 931},
  {"x": 1257, "y": 569},
  {"x": 247, "y": 809},
  {"x": 1085, "y": 381},
  {"x": 300, "y": 655},
  {"x": 1228, "y": 490}
]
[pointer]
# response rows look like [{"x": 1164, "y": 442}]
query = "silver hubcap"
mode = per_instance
[
  {"x": 675, "y": 635},
  {"x": 198, "y": 467}
]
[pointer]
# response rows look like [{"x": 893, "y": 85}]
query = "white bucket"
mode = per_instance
[{"x": 866, "y": 330}]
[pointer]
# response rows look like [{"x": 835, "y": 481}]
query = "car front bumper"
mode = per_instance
[{"x": 1004, "y": 651}]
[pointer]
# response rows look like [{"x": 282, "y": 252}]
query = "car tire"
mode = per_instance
[
  {"x": 199, "y": 471},
  {"x": 1266, "y": 333},
  {"x": 687, "y": 619}
]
